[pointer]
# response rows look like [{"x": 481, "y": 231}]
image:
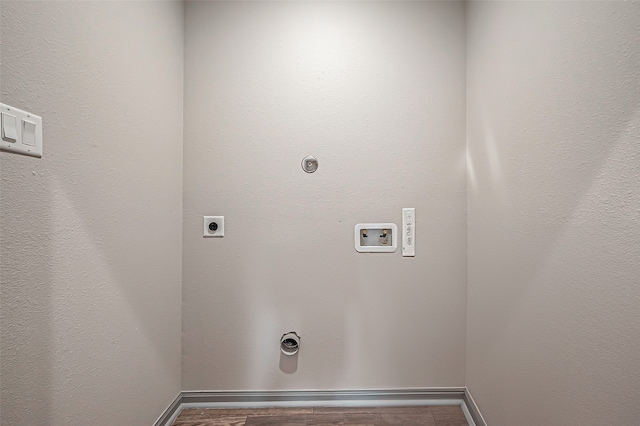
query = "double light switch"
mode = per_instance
[{"x": 21, "y": 131}]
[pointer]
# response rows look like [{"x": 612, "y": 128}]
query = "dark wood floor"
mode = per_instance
[{"x": 437, "y": 415}]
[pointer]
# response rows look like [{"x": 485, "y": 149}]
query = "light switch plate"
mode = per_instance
[{"x": 26, "y": 124}]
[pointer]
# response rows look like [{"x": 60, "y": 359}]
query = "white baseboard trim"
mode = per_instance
[
  {"x": 318, "y": 398},
  {"x": 171, "y": 413},
  {"x": 474, "y": 411}
]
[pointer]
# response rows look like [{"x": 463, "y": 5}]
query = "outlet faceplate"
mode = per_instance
[{"x": 213, "y": 226}]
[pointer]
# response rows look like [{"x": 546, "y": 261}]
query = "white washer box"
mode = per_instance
[{"x": 376, "y": 237}]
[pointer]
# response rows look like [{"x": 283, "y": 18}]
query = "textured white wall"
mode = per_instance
[
  {"x": 554, "y": 212},
  {"x": 91, "y": 233},
  {"x": 376, "y": 91}
]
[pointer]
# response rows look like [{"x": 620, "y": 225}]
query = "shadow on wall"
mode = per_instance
[
  {"x": 552, "y": 188},
  {"x": 26, "y": 327},
  {"x": 563, "y": 155},
  {"x": 288, "y": 363},
  {"x": 100, "y": 216}
]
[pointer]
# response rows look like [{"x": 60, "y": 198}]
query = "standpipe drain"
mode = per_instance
[{"x": 290, "y": 343}]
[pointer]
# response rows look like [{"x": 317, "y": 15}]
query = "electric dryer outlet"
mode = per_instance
[{"x": 213, "y": 226}]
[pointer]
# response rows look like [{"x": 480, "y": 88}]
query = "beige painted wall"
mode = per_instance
[
  {"x": 376, "y": 91},
  {"x": 554, "y": 212},
  {"x": 91, "y": 233}
]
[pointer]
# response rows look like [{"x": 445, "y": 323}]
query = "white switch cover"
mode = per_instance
[
  {"x": 28, "y": 133},
  {"x": 9, "y": 128},
  {"x": 408, "y": 232},
  {"x": 213, "y": 226},
  {"x": 21, "y": 131}
]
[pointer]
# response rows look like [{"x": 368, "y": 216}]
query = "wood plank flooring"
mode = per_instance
[{"x": 435, "y": 415}]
